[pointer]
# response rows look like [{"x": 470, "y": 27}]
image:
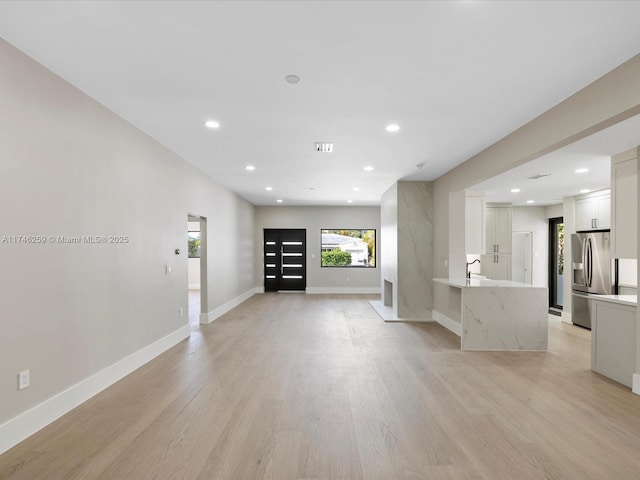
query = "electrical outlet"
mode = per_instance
[
  {"x": 24, "y": 379},
  {"x": 167, "y": 269},
  {"x": 181, "y": 311}
]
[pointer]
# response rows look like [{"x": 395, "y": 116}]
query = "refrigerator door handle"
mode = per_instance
[
  {"x": 585, "y": 267},
  {"x": 590, "y": 261}
]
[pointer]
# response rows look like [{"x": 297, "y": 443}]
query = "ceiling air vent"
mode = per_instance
[
  {"x": 538, "y": 176},
  {"x": 324, "y": 147}
]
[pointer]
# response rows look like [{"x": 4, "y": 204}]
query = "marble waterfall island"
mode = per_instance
[{"x": 493, "y": 314}]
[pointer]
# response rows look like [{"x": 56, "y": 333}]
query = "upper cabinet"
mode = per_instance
[
  {"x": 474, "y": 223},
  {"x": 498, "y": 229},
  {"x": 624, "y": 205},
  {"x": 594, "y": 212}
]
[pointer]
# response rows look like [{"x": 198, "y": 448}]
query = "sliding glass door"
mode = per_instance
[{"x": 556, "y": 262}]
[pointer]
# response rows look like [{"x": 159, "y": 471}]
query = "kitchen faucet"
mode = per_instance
[{"x": 468, "y": 264}]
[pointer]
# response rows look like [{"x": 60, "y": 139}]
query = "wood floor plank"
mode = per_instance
[{"x": 311, "y": 387}]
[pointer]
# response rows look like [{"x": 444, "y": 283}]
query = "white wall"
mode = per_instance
[
  {"x": 628, "y": 272},
  {"x": 389, "y": 254},
  {"x": 554, "y": 211},
  {"x": 534, "y": 219},
  {"x": 568, "y": 218},
  {"x": 314, "y": 219},
  {"x": 68, "y": 166}
]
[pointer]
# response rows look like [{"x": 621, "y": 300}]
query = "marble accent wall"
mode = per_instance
[{"x": 407, "y": 255}]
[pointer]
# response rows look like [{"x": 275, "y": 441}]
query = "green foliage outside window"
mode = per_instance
[
  {"x": 194, "y": 244},
  {"x": 336, "y": 258},
  {"x": 560, "y": 233}
]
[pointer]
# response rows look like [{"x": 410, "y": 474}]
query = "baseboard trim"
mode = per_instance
[
  {"x": 344, "y": 290},
  {"x": 27, "y": 423},
  {"x": 448, "y": 323},
  {"x": 636, "y": 384},
  {"x": 207, "y": 318}
]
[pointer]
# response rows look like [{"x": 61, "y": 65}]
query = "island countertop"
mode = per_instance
[
  {"x": 482, "y": 282},
  {"x": 497, "y": 315}
]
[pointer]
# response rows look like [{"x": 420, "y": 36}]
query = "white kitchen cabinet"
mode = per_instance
[
  {"x": 613, "y": 340},
  {"x": 498, "y": 230},
  {"x": 496, "y": 266},
  {"x": 593, "y": 212},
  {"x": 474, "y": 223},
  {"x": 624, "y": 205}
]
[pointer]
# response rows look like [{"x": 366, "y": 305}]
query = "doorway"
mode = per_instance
[
  {"x": 521, "y": 245},
  {"x": 285, "y": 259},
  {"x": 556, "y": 265},
  {"x": 197, "y": 269}
]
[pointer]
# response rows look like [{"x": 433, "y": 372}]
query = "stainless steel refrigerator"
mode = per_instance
[{"x": 592, "y": 272}]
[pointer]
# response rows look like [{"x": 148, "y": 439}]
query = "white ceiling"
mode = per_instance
[
  {"x": 456, "y": 76},
  {"x": 593, "y": 152}
]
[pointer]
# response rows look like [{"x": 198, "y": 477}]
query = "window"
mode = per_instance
[
  {"x": 194, "y": 244},
  {"x": 348, "y": 248}
]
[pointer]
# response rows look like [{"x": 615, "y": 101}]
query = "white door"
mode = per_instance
[{"x": 521, "y": 245}]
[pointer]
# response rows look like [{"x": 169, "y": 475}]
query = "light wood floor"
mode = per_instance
[
  {"x": 318, "y": 387},
  {"x": 194, "y": 307}
]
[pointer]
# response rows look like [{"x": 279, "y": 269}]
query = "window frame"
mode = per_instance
[{"x": 375, "y": 248}]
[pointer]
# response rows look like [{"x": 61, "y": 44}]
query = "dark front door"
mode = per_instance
[{"x": 285, "y": 259}]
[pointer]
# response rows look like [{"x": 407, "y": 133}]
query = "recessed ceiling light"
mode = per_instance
[
  {"x": 268, "y": 189},
  {"x": 585, "y": 190},
  {"x": 515, "y": 190},
  {"x": 531, "y": 201},
  {"x": 292, "y": 79},
  {"x": 349, "y": 201},
  {"x": 211, "y": 124},
  {"x": 368, "y": 168},
  {"x": 392, "y": 128},
  {"x": 250, "y": 168},
  {"x": 356, "y": 189},
  {"x": 582, "y": 170},
  {"x": 279, "y": 200}
]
